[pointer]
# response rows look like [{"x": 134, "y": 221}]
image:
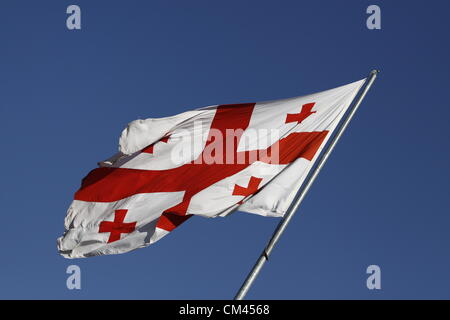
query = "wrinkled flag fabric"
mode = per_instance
[{"x": 210, "y": 162}]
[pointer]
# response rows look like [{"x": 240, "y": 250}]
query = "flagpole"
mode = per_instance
[{"x": 304, "y": 190}]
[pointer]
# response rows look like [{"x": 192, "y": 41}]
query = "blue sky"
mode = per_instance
[{"x": 382, "y": 198}]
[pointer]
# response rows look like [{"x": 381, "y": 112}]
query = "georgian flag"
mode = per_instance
[{"x": 251, "y": 157}]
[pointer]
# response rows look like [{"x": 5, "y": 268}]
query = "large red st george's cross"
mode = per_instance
[{"x": 107, "y": 184}]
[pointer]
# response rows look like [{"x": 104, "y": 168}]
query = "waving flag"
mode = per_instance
[{"x": 250, "y": 157}]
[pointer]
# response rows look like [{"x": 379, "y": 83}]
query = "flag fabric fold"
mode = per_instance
[{"x": 250, "y": 157}]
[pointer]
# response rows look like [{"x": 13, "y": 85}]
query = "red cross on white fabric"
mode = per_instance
[
  {"x": 117, "y": 227},
  {"x": 252, "y": 187},
  {"x": 304, "y": 113},
  {"x": 150, "y": 148}
]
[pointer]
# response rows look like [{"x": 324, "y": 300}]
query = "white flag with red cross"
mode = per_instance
[{"x": 250, "y": 157}]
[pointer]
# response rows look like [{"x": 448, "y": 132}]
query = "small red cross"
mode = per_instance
[
  {"x": 117, "y": 226},
  {"x": 149, "y": 149},
  {"x": 252, "y": 187},
  {"x": 304, "y": 113}
]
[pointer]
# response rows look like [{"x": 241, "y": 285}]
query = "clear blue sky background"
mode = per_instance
[{"x": 383, "y": 197}]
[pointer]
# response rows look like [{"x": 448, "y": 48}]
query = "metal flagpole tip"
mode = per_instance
[{"x": 375, "y": 71}]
